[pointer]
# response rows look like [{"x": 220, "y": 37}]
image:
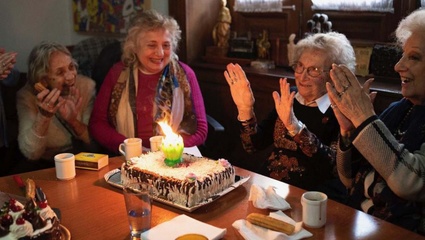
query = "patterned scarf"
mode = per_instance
[{"x": 172, "y": 103}]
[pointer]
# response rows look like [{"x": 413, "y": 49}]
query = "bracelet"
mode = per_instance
[
  {"x": 245, "y": 121},
  {"x": 299, "y": 128}
]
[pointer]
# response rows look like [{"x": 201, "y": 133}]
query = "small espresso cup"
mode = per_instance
[
  {"x": 65, "y": 166},
  {"x": 155, "y": 143},
  {"x": 131, "y": 147},
  {"x": 314, "y": 209}
]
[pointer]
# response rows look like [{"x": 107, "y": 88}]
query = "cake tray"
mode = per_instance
[{"x": 113, "y": 177}]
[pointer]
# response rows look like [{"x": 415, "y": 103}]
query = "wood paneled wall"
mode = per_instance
[{"x": 197, "y": 18}]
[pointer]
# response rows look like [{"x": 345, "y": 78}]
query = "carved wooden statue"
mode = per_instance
[
  {"x": 221, "y": 31},
  {"x": 263, "y": 45}
]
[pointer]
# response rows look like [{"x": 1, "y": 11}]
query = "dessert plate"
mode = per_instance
[
  {"x": 113, "y": 177},
  {"x": 65, "y": 233}
]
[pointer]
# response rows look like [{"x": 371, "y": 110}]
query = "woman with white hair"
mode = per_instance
[
  {"x": 302, "y": 127},
  {"x": 387, "y": 179}
]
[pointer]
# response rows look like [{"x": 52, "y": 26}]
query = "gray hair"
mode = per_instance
[
  {"x": 147, "y": 21},
  {"x": 336, "y": 46},
  {"x": 38, "y": 60},
  {"x": 414, "y": 22}
]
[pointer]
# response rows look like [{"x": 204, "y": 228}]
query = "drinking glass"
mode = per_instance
[{"x": 138, "y": 198}]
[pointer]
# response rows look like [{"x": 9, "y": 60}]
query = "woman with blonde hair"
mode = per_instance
[{"x": 149, "y": 85}]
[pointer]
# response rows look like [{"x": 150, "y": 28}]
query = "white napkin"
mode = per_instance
[
  {"x": 253, "y": 232},
  {"x": 267, "y": 198},
  {"x": 181, "y": 225},
  {"x": 193, "y": 150}
]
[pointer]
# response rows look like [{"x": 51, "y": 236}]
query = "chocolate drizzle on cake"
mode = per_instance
[{"x": 172, "y": 185}]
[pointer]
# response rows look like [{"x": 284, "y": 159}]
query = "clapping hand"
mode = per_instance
[
  {"x": 352, "y": 103},
  {"x": 284, "y": 104},
  {"x": 240, "y": 89},
  {"x": 49, "y": 102},
  {"x": 7, "y": 61},
  {"x": 72, "y": 106}
]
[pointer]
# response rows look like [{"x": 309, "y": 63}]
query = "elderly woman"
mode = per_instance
[
  {"x": 387, "y": 180},
  {"x": 302, "y": 127},
  {"x": 53, "y": 116},
  {"x": 149, "y": 85}
]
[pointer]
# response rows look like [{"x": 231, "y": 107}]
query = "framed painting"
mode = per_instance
[{"x": 106, "y": 16}]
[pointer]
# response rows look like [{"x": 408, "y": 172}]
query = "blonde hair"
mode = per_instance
[{"x": 146, "y": 21}]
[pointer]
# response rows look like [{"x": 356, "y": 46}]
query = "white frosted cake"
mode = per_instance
[{"x": 193, "y": 181}]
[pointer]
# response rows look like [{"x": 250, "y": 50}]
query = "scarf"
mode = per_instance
[{"x": 172, "y": 103}]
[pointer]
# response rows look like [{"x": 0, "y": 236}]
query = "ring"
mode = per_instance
[
  {"x": 4, "y": 64},
  {"x": 333, "y": 106},
  {"x": 232, "y": 82},
  {"x": 344, "y": 88},
  {"x": 341, "y": 93},
  {"x": 47, "y": 104}
]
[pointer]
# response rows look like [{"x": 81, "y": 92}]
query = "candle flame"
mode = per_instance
[{"x": 167, "y": 130}]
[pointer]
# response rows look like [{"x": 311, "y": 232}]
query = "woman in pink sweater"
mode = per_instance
[{"x": 149, "y": 85}]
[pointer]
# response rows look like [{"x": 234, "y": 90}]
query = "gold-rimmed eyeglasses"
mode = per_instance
[{"x": 311, "y": 71}]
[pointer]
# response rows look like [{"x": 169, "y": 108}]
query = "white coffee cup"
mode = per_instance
[
  {"x": 132, "y": 147},
  {"x": 314, "y": 209},
  {"x": 65, "y": 166},
  {"x": 155, "y": 143}
]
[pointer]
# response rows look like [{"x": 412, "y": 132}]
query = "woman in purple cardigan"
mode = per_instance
[{"x": 149, "y": 85}]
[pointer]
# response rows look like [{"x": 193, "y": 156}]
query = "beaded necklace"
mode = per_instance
[{"x": 398, "y": 133}]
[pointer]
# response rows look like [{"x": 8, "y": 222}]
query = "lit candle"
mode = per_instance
[{"x": 172, "y": 146}]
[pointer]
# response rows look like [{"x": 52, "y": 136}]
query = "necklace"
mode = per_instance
[{"x": 398, "y": 133}]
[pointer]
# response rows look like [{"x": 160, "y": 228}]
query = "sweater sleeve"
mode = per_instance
[
  {"x": 31, "y": 145},
  {"x": 198, "y": 103},
  {"x": 99, "y": 126},
  {"x": 87, "y": 89},
  {"x": 402, "y": 170}
]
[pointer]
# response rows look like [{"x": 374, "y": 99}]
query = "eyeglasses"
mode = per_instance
[{"x": 311, "y": 71}]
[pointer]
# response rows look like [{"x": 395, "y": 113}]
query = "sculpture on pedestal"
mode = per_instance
[
  {"x": 263, "y": 45},
  {"x": 221, "y": 31}
]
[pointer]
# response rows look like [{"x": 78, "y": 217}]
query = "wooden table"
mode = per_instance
[{"x": 93, "y": 209}]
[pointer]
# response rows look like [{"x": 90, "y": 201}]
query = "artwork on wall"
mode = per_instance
[{"x": 106, "y": 16}]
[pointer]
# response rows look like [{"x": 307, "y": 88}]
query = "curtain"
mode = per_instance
[
  {"x": 355, "y": 5},
  {"x": 258, "y": 5}
]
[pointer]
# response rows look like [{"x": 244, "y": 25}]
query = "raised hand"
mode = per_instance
[
  {"x": 72, "y": 106},
  {"x": 49, "y": 102},
  {"x": 240, "y": 89},
  {"x": 284, "y": 104},
  {"x": 349, "y": 97},
  {"x": 7, "y": 61}
]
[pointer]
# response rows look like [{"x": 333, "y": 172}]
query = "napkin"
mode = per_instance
[
  {"x": 193, "y": 151},
  {"x": 253, "y": 232},
  {"x": 267, "y": 198},
  {"x": 181, "y": 225}
]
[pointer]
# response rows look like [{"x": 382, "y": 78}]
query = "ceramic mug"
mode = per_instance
[
  {"x": 155, "y": 143},
  {"x": 131, "y": 147},
  {"x": 65, "y": 166},
  {"x": 314, "y": 209}
]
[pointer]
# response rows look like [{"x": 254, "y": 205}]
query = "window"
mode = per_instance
[
  {"x": 355, "y": 5},
  {"x": 258, "y": 5}
]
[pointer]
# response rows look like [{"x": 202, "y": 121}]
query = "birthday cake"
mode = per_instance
[
  {"x": 34, "y": 220},
  {"x": 191, "y": 182}
]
